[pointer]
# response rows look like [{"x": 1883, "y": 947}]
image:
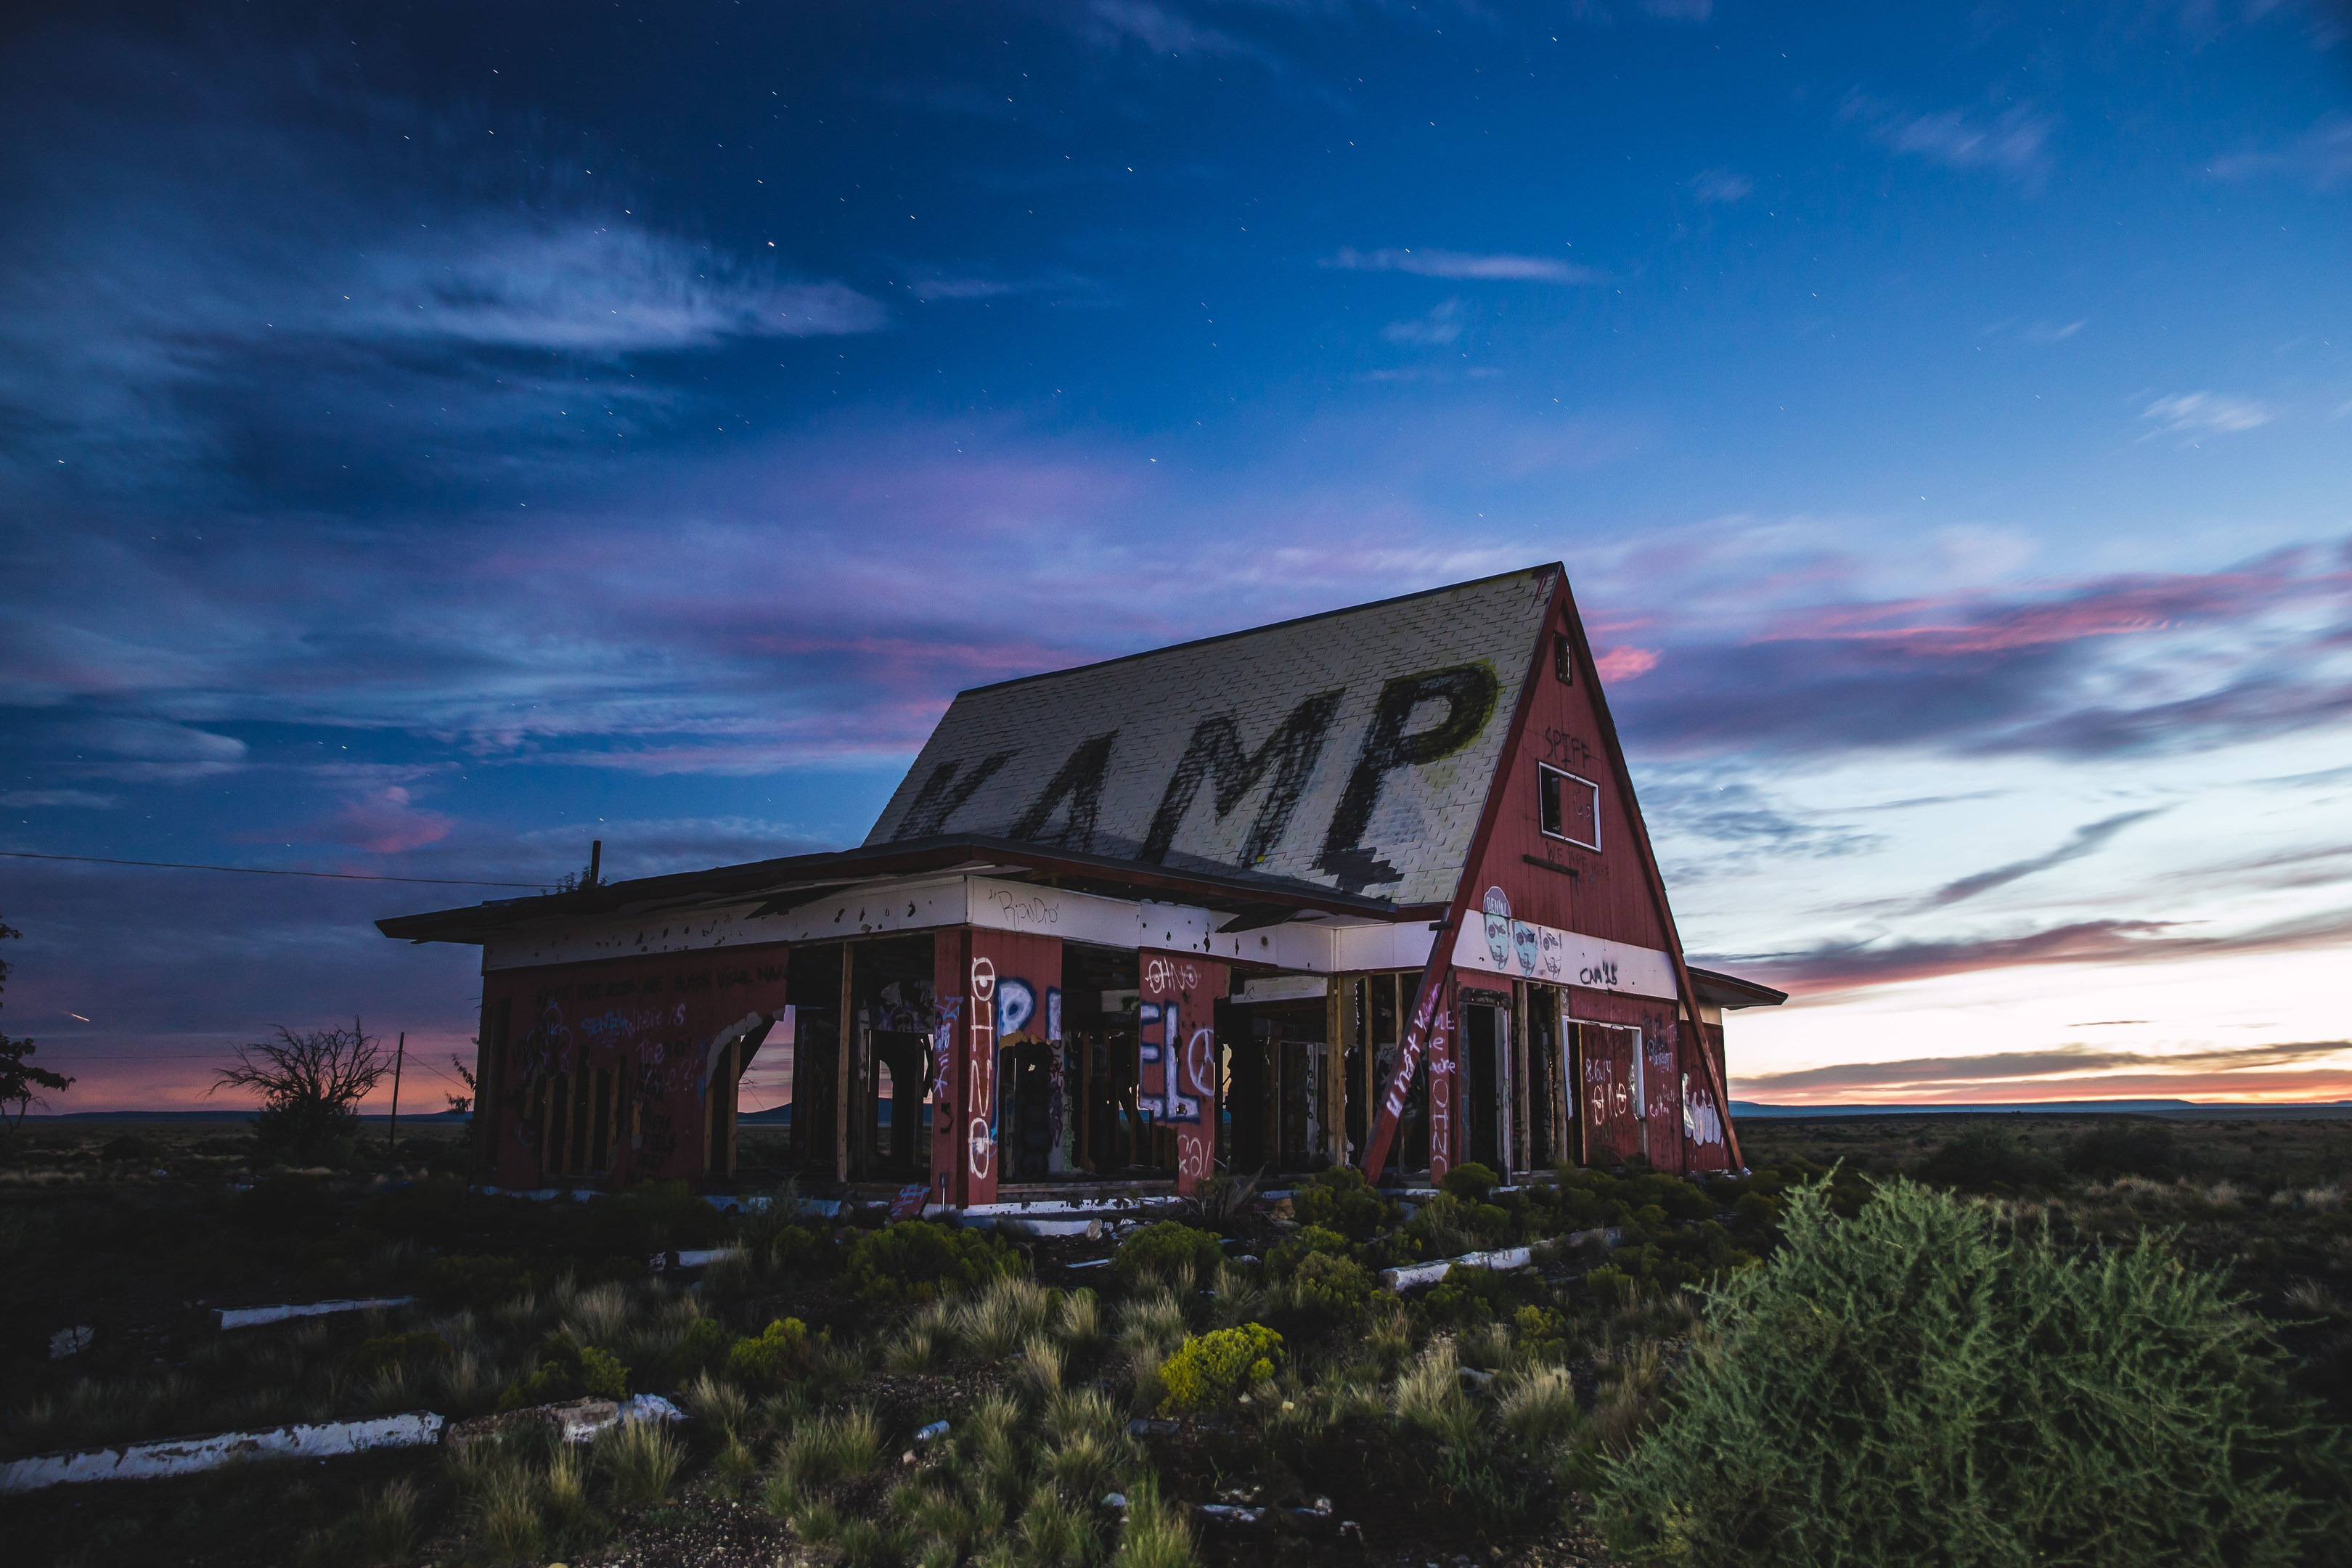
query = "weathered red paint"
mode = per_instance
[
  {"x": 951, "y": 1008},
  {"x": 1002, "y": 969},
  {"x": 1178, "y": 1069},
  {"x": 1431, "y": 1013},
  {"x": 655, "y": 1021},
  {"x": 1605, "y": 1100}
]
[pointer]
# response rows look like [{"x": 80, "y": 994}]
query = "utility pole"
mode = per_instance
[
  {"x": 399, "y": 1056},
  {"x": 595, "y": 862}
]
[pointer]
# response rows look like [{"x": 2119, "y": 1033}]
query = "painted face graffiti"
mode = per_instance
[
  {"x": 1498, "y": 927},
  {"x": 1524, "y": 946}
]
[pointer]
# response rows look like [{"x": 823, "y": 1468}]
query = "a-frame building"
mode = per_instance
[{"x": 1369, "y": 888}]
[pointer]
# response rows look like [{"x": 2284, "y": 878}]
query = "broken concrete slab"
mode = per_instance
[
  {"x": 573, "y": 1420},
  {"x": 191, "y": 1456},
  {"x": 250, "y": 1317},
  {"x": 70, "y": 1342}
]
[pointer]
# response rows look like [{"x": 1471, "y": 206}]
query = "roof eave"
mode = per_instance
[
  {"x": 1730, "y": 991},
  {"x": 815, "y": 873}
]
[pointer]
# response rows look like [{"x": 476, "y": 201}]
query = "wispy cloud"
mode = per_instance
[
  {"x": 1834, "y": 967},
  {"x": 1485, "y": 267},
  {"x": 2321, "y": 157},
  {"x": 583, "y": 287},
  {"x": 2085, "y": 840},
  {"x": 386, "y": 821},
  {"x": 1625, "y": 662},
  {"x": 1721, "y": 186},
  {"x": 2192, "y": 415},
  {"x": 1166, "y": 30},
  {"x": 2109, "y": 667},
  {"x": 2014, "y": 144},
  {"x": 42, "y": 799},
  {"x": 1443, "y": 324},
  {"x": 2075, "y": 1067}
]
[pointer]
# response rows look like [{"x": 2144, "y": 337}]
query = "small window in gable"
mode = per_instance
[
  {"x": 1570, "y": 807},
  {"x": 1563, "y": 658}
]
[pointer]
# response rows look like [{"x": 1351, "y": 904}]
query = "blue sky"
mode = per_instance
[{"x": 431, "y": 438}]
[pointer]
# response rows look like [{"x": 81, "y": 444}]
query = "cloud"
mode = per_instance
[
  {"x": 2189, "y": 414},
  {"x": 146, "y": 749},
  {"x": 1112, "y": 23},
  {"x": 2014, "y": 143},
  {"x": 1721, "y": 186},
  {"x": 1428, "y": 263},
  {"x": 206, "y": 258},
  {"x": 585, "y": 287},
  {"x": 386, "y": 822},
  {"x": 2108, "y": 1072},
  {"x": 1625, "y": 662},
  {"x": 1736, "y": 814},
  {"x": 1442, "y": 326},
  {"x": 2085, "y": 840},
  {"x": 1833, "y": 967},
  {"x": 37, "y": 799},
  {"x": 2321, "y": 157},
  {"x": 2124, "y": 665}
]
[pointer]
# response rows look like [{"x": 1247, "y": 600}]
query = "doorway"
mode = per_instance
[{"x": 1487, "y": 1079}]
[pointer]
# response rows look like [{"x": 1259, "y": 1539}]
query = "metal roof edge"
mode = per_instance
[{"x": 751, "y": 878}]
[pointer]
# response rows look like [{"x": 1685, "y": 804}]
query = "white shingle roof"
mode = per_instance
[{"x": 1351, "y": 749}]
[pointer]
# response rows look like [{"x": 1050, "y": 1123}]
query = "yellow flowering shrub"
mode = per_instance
[{"x": 1211, "y": 1368}]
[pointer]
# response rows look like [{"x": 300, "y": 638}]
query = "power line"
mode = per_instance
[{"x": 263, "y": 871}]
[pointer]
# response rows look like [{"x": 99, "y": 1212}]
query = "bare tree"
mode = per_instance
[
  {"x": 311, "y": 1084},
  {"x": 462, "y": 1104},
  {"x": 20, "y": 1080}
]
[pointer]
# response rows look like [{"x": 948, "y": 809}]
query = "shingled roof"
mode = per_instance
[{"x": 1351, "y": 751}]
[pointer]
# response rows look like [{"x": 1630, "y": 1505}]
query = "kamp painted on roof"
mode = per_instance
[
  {"x": 1350, "y": 751},
  {"x": 1369, "y": 888}
]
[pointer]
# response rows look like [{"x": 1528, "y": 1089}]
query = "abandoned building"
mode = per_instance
[{"x": 1369, "y": 888}]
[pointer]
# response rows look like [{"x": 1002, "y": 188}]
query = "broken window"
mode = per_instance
[{"x": 1570, "y": 807}]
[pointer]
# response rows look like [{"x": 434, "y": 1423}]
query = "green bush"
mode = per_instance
[
  {"x": 1984, "y": 1158},
  {"x": 781, "y": 1352},
  {"x": 1210, "y": 1369},
  {"x": 1471, "y": 1181},
  {"x": 1921, "y": 1384},
  {"x": 702, "y": 1349},
  {"x": 566, "y": 1369},
  {"x": 2126, "y": 1149},
  {"x": 921, "y": 1261},
  {"x": 1339, "y": 1198},
  {"x": 1168, "y": 1251},
  {"x": 1323, "y": 1292},
  {"x": 1283, "y": 1260}
]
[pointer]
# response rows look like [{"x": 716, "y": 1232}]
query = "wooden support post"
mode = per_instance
[
  {"x": 392, "y": 1127},
  {"x": 845, "y": 1057},
  {"x": 1523, "y": 1086}
]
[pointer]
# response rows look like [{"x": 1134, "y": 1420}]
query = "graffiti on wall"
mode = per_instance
[
  {"x": 1702, "y": 1123},
  {"x": 1176, "y": 1054},
  {"x": 980, "y": 1071}
]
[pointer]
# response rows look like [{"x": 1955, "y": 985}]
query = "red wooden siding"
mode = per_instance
[
  {"x": 1607, "y": 896},
  {"x": 1011, "y": 986},
  {"x": 652, "y": 1023},
  {"x": 1178, "y": 1069}
]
